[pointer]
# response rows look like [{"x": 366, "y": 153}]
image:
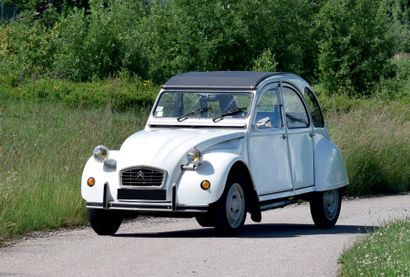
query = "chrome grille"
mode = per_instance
[{"x": 142, "y": 176}]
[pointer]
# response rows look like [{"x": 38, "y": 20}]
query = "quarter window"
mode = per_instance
[
  {"x": 295, "y": 111},
  {"x": 314, "y": 108}
]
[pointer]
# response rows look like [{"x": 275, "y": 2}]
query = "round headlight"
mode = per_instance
[
  {"x": 194, "y": 156},
  {"x": 100, "y": 153}
]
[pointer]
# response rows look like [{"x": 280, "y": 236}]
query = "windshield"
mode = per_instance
[{"x": 202, "y": 105}]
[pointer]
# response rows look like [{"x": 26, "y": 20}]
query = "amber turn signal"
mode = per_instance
[
  {"x": 205, "y": 185},
  {"x": 90, "y": 181}
]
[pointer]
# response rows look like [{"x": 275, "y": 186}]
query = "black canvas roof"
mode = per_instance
[{"x": 218, "y": 79}]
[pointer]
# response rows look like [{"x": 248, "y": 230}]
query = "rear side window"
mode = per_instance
[
  {"x": 317, "y": 116},
  {"x": 295, "y": 112}
]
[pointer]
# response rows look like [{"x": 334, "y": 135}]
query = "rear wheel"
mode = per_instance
[
  {"x": 230, "y": 210},
  {"x": 325, "y": 207},
  {"x": 103, "y": 222}
]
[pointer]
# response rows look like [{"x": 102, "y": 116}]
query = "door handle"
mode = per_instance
[
  {"x": 284, "y": 136},
  {"x": 312, "y": 134}
]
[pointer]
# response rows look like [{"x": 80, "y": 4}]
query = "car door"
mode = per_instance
[
  {"x": 268, "y": 148},
  {"x": 299, "y": 138}
]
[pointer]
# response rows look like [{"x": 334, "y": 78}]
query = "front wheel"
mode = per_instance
[
  {"x": 103, "y": 222},
  {"x": 205, "y": 220},
  {"x": 325, "y": 207},
  {"x": 230, "y": 211}
]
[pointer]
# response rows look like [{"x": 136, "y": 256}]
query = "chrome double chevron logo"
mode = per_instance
[{"x": 140, "y": 175}]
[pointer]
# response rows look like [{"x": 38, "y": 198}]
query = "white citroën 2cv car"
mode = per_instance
[{"x": 219, "y": 145}]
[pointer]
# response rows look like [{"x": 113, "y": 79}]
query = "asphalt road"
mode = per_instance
[{"x": 285, "y": 243}]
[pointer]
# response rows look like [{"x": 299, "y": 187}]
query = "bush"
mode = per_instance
[
  {"x": 119, "y": 93},
  {"x": 27, "y": 51},
  {"x": 397, "y": 87},
  {"x": 265, "y": 62},
  {"x": 101, "y": 44}
]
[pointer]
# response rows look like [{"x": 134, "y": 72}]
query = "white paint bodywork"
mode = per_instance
[
  {"x": 281, "y": 162},
  {"x": 166, "y": 149}
]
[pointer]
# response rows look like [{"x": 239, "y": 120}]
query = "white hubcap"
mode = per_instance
[
  {"x": 331, "y": 203},
  {"x": 235, "y": 205}
]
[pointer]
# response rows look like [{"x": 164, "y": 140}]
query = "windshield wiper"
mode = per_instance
[
  {"x": 230, "y": 112},
  {"x": 185, "y": 116}
]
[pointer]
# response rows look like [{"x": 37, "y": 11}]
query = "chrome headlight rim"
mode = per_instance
[
  {"x": 194, "y": 156},
  {"x": 101, "y": 153}
]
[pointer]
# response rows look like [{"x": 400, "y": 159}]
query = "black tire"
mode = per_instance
[
  {"x": 229, "y": 213},
  {"x": 205, "y": 220},
  {"x": 103, "y": 222},
  {"x": 325, "y": 207}
]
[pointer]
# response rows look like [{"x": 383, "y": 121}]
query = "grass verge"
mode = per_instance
[
  {"x": 374, "y": 137},
  {"x": 383, "y": 253},
  {"x": 43, "y": 148}
]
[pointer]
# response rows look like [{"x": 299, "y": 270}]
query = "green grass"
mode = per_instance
[
  {"x": 43, "y": 148},
  {"x": 383, "y": 253},
  {"x": 374, "y": 137}
]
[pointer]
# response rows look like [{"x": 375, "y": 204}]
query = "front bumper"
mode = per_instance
[{"x": 147, "y": 207}]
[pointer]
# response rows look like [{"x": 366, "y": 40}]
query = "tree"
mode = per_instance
[
  {"x": 355, "y": 45},
  {"x": 286, "y": 27},
  {"x": 42, "y": 5},
  {"x": 399, "y": 10},
  {"x": 184, "y": 35}
]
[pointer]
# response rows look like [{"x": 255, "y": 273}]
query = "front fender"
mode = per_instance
[
  {"x": 215, "y": 168},
  {"x": 102, "y": 175}
]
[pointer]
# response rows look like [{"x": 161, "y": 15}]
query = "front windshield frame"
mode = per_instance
[{"x": 198, "y": 110}]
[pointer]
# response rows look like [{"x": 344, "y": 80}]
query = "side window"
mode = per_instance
[
  {"x": 268, "y": 106},
  {"x": 296, "y": 115},
  {"x": 314, "y": 108}
]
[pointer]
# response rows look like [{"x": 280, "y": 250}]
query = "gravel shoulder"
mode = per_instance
[{"x": 285, "y": 243}]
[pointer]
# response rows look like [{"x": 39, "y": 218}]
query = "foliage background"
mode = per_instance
[{"x": 345, "y": 45}]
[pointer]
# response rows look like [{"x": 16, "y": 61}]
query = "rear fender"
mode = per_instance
[{"x": 330, "y": 169}]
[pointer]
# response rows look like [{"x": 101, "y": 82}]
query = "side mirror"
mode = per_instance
[{"x": 264, "y": 123}]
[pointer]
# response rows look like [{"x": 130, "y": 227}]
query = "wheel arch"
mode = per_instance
[{"x": 239, "y": 167}]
